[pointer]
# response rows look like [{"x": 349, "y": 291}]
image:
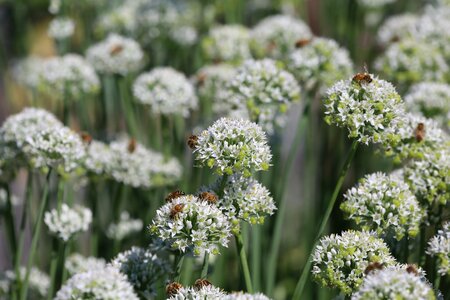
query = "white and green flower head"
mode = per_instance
[
  {"x": 116, "y": 55},
  {"x": 68, "y": 221},
  {"x": 439, "y": 247},
  {"x": 166, "y": 91},
  {"x": 396, "y": 28},
  {"x": 27, "y": 71},
  {"x": 125, "y": 227},
  {"x": 61, "y": 28},
  {"x": 190, "y": 224},
  {"x": 233, "y": 146},
  {"x": 394, "y": 283},
  {"x": 245, "y": 296},
  {"x": 120, "y": 19},
  {"x": 340, "y": 261},
  {"x": 410, "y": 61},
  {"x": 103, "y": 283},
  {"x": 276, "y": 36},
  {"x": 42, "y": 141},
  {"x": 374, "y": 4},
  {"x": 384, "y": 204},
  {"x": 431, "y": 99},
  {"x": 319, "y": 62},
  {"x": 227, "y": 43},
  {"x": 370, "y": 108},
  {"x": 143, "y": 270},
  {"x": 38, "y": 283},
  {"x": 199, "y": 291},
  {"x": 266, "y": 89},
  {"x": 69, "y": 77},
  {"x": 100, "y": 160},
  {"x": 77, "y": 263},
  {"x": 429, "y": 177}
]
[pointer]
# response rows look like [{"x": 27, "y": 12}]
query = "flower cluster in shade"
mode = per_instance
[
  {"x": 371, "y": 110},
  {"x": 166, "y": 91},
  {"x": 340, "y": 261},
  {"x": 67, "y": 221},
  {"x": 35, "y": 137},
  {"x": 102, "y": 283},
  {"x": 227, "y": 43},
  {"x": 397, "y": 27},
  {"x": 143, "y": 270},
  {"x": 77, "y": 263},
  {"x": 116, "y": 55},
  {"x": 191, "y": 224},
  {"x": 439, "y": 247},
  {"x": 374, "y": 4},
  {"x": 38, "y": 283},
  {"x": 233, "y": 146},
  {"x": 276, "y": 36},
  {"x": 384, "y": 204},
  {"x": 266, "y": 90},
  {"x": 319, "y": 63},
  {"x": 61, "y": 28},
  {"x": 124, "y": 227},
  {"x": 394, "y": 283}
]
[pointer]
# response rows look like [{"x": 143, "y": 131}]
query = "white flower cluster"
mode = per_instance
[
  {"x": 394, "y": 283},
  {"x": 143, "y": 270},
  {"x": 116, "y": 55},
  {"x": 384, "y": 204},
  {"x": 104, "y": 283},
  {"x": 233, "y": 146},
  {"x": 340, "y": 261},
  {"x": 125, "y": 227},
  {"x": 184, "y": 35},
  {"x": 191, "y": 224},
  {"x": 38, "y": 283},
  {"x": 120, "y": 19},
  {"x": 320, "y": 63},
  {"x": 397, "y": 27},
  {"x": 27, "y": 71},
  {"x": 68, "y": 221},
  {"x": 368, "y": 107},
  {"x": 276, "y": 36},
  {"x": 246, "y": 199},
  {"x": 69, "y": 77},
  {"x": 166, "y": 91},
  {"x": 100, "y": 159},
  {"x": 61, "y": 28},
  {"x": 43, "y": 141},
  {"x": 209, "y": 292},
  {"x": 227, "y": 43},
  {"x": 77, "y": 263},
  {"x": 266, "y": 89},
  {"x": 374, "y": 3},
  {"x": 431, "y": 99},
  {"x": 245, "y": 296},
  {"x": 439, "y": 246}
]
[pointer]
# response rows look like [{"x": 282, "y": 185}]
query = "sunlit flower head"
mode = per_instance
[
  {"x": 77, "y": 263},
  {"x": 61, "y": 28},
  {"x": 68, "y": 221},
  {"x": 199, "y": 291}
]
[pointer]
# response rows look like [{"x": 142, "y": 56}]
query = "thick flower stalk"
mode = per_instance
[
  {"x": 385, "y": 205},
  {"x": 439, "y": 247},
  {"x": 233, "y": 146},
  {"x": 340, "y": 261},
  {"x": 125, "y": 227},
  {"x": 190, "y": 224},
  {"x": 68, "y": 221},
  {"x": 77, "y": 263}
]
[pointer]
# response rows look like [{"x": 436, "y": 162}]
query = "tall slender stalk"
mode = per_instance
[
  {"x": 204, "y": 273},
  {"x": 244, "y": 263},
  {"x": 302, "y": 280},
  {"x": 256, "y": 257},
  {"x": 9, "y": 224}
]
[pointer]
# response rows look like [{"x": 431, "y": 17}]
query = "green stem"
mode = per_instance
[
  {"x": 244, "y": 263},
  {"x": 303, "y": 278},
  {"x": 204, "y": 273},
  {"x": 35, "y": 238},
  {"x": 9, "y": 224},
  {"x": 256, "y": 256},
  {"x": 178, "y": 266}
]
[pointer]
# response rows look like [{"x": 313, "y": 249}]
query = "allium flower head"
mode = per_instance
[
  {"x": 245, "y": 296},
  {"x": 368, "y": 107},
  {"x": 124, "y": 227},
  {"x": 166, "y": 91},
  {"x": 233, "y": 146},
  {"x": 396, "y": 28},
  {"x": 143, "y": 270},
  {"x": 340, "y": 261},
  {"x": 116, "y": 55},
  {"x": 184, "y": 35},
  {"x": 77, "y": 263},
  {"x": 67, "y": 221},
  {"x": 104, "y": 283},
  {"x": 38, "y": 283},
  {"x": 439, "y": 246},
  {"x": 374, "y": 3},
  {"x": 191, "y": 224},
  {"x": 27, "y": 71},
  {"x": 100, "y": 160},
  {"x": 275, "y": 36},
  {"x": 120, "y": 19},
  {"x": 209, "y": 292},
  {"x": 394, "y": 283},
  {"x": 227, "y": 43},
  {"x": 384, "y": 204},
  {"x": 266, "y": 89},
  {"x": 319, "y": 63},
  {"x": 61, "y": 28}
]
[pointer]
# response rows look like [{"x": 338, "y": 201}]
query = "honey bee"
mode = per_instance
[
  {"x": 173, "y": 288},
  {"x": 86, "y": 137},
  {"x": 201, "y": 79},
  {"x": 302, "y": 42},
  {"x": 362, "y": 77},
  {"x": 174, "y": 195},
  {"x": 176, "y": 209},
  {"x": 373, "y": 266},
  {"x": 419, "y": 132},
  {"x": 412, "y": 269},
  {"x": 132, "y": 145},
  {"x": 200, "y": 283},
  {"x": 208, "y": 197},
  {"x": 116, "y": 49},
  {"x": 192, "y": 141}
]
